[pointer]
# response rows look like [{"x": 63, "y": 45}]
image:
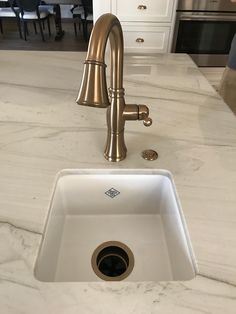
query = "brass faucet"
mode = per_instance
[{"x": 93, "y": 91}]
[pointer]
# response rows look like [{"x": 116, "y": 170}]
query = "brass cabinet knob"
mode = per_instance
[
  {"x": 139, "y": 40},
  {"x": 147, "y": 122},
  {"x": 142, "y": 7}
]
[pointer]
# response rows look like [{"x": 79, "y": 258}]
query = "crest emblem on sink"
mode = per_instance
[{"x": 112, "y": 192}]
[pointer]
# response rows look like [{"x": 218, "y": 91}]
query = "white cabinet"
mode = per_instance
[
  {"x": 143, "y": 10},
  {"x": 100, "y": 7},
  {"x": 147, "y": 24},
  {"x": 145, "y": 38}
]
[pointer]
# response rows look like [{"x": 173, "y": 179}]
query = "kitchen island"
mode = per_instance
[{"x": 44, "y": 131}]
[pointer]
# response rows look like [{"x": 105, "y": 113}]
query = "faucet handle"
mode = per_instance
[
  {"x": 143, "y": 115},
  {"x": 147, "y": 122},
  {"x": 137, "y": 112}
]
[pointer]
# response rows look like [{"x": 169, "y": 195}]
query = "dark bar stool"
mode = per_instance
[{"x": 31, "y": 11}]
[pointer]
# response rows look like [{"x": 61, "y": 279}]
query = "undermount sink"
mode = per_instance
[{"x": 115, "y": 225}]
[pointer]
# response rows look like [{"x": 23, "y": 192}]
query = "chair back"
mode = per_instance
[
  {"x": 14, "y": 7},
  {"x": 28, "y": 5},
  {"x": 88, "y": 7}
]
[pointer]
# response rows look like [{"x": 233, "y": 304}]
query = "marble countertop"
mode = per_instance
[{"x": 43, "y": 131}]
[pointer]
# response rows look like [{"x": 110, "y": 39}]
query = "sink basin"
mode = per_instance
[{"x": 115, "y": 225}]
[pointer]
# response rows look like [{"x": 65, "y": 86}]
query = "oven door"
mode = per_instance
[{"x": 206, "y": 37}]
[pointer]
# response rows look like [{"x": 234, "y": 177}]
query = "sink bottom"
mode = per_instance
[{"x": 146, "y": 241}]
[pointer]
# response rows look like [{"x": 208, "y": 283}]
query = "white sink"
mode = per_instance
[{"x": 138, "y": 208}]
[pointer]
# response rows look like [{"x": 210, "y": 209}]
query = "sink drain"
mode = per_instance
[{"x": 112, "y": 261}]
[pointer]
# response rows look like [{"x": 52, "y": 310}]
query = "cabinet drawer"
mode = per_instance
[
  {"x": 146, "y": 38},
  {"x": 143, "y": 10}
]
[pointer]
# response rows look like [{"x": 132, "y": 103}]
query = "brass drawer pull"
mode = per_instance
[
  {"x": 139, "y": 40},
  {"x": 142, "y": 7}
]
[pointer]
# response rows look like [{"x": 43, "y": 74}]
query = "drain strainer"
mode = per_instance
[{"x": 112, "y": 261}]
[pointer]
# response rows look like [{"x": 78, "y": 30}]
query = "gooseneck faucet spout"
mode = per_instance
[{"x": 93, "y": 91}]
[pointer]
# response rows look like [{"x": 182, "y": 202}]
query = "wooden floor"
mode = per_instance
[
  {"x": 213, "y": 75},
  {"x": 10, "y": 39}
]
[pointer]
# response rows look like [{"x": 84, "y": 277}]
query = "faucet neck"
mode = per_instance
[{"x": 108, "y": 27}]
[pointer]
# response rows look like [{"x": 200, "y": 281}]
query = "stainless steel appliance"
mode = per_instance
[{"x": 204, "y": 29}]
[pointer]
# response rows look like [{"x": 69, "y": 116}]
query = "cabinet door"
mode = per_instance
[
  {"x": 143, "y": 10},
  {"x": 147, "y": 38},
  {"x": 100, "y": 7}
]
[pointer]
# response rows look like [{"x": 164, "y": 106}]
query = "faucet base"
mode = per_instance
[{"x": 115, "y": 148}]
